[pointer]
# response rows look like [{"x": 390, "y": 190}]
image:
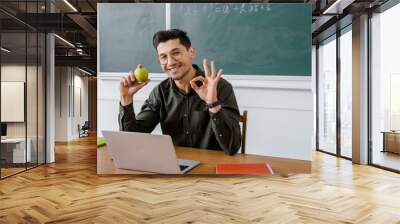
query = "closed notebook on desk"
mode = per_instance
[{"x": 244, "y": 168}]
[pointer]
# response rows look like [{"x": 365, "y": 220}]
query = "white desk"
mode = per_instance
[{"x": 17, "y": 146}]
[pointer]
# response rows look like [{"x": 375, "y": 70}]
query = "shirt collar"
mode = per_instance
[{"x": 191, "y": 91}]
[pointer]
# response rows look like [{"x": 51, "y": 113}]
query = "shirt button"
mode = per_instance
[
  {"x": 220, "y": 135},
  {"x": 215, "y": 119}
]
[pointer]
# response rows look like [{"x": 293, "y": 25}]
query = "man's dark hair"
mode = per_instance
[{"x": 165, "y": 35}]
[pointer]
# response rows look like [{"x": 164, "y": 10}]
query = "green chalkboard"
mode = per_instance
[
  {"x": 249, "y": 38},
  {"x": 125, "y": 33}
]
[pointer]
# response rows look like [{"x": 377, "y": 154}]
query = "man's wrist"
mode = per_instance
[
  {"x": 215, "y": 109},
  {"x": 213, "y": 104},
  {"x": 126, "y": 100},
  {"x": 212, "y": 100}
]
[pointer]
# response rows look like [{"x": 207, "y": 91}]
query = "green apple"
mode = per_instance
[{"x": 141, "y": 74}]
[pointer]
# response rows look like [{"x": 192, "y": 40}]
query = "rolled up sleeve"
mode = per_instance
[{"x": 145, "y": 121}]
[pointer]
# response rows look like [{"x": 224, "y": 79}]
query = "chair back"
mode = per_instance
[{"x": 243, "y": 120}]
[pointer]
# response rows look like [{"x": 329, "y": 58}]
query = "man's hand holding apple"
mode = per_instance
[{"x": 132, "y": 83}]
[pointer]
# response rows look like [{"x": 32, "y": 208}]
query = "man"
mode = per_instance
[{"x": 197, "y": 109}]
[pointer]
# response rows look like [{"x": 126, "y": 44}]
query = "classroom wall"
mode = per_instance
[
  {"x": 280, "y": 111},
  {"x": 71, "y": 96}
]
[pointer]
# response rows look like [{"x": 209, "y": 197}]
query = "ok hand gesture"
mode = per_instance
[{"x": 207, "y": 91}]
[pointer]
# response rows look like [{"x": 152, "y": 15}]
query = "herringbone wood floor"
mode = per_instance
[{"x": 69, "y": 191}]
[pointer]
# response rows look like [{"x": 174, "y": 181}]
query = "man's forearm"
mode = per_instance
[
  {"x": 144, "y": 122},
  {"x": 126, "y": 100}
]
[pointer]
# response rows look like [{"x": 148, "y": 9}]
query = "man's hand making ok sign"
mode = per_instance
[{"x": 208, "y": 90}]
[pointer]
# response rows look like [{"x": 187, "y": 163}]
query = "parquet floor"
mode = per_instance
[
  {"x": 69, "y": 191},
  {"x": 387, "y": 159},
  {"x": 10, "y": 171}
]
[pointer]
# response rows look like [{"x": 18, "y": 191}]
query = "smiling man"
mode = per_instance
[{"x": 196, "y": 108}]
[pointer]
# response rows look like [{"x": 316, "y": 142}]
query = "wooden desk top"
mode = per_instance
[{"x": 208, "y": 160}]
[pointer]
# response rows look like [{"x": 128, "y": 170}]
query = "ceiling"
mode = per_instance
[{"x": 76, "y": 20}]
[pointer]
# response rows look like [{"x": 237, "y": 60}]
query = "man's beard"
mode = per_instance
[{"x": 181, "y": 76}]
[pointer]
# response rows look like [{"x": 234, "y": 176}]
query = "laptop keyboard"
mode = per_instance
[{"x": 182, "y": 167}]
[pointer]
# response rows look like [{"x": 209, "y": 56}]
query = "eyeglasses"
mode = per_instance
[{"x": 176, "y": 55}]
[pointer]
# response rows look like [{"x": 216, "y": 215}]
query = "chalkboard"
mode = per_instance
[
  {"x": 249, "y": 38},
  {"x": 125, "y": 33}
]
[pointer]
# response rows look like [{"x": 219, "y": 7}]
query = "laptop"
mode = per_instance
[{"x": 145, "y": 152}]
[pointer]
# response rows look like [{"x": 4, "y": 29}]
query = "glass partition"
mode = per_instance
[
  {"x": 13, "y": 92},
  {"x": 346, "y": 92},
  {"x": 41, "y": 91},
  {"x": 385, "y": 89},
  {"x": 23, "y": 87},
  {"x": 327, "y": 95},
  {"x": 31, "y": 99}
]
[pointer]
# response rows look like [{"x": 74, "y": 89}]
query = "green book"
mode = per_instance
[{"x": 101, "y": 142}]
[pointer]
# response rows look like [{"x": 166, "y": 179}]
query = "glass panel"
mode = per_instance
[
  {"x": 395, "y": 102},
  {"x": 31, "y": 84},
  {"x": 13, "y": 85},
  {"x": 41, "y": 98},
  {"x": 327, "y": 95},
  {"x": 31, "y": 98},
  {"x": 346, "y": 93},
  {"x": 386, "y": 89},
  {"x": 23, "y": 88}
]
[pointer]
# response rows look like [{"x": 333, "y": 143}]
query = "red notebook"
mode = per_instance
[{"x": 244, "y": 168}]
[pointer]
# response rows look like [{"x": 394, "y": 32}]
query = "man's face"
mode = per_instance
[{"x": 175, "y": 59}]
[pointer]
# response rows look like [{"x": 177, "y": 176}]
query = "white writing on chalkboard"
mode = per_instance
[{"x": 229, "y": 8}]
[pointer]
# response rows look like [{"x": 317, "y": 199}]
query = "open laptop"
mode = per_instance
[{"x": 145, "y": 152}]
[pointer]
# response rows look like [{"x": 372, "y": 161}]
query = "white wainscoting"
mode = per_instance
[{"x": 280, "y": 111}]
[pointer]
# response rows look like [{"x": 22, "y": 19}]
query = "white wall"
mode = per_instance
[
  {"x": 79, "y": 117},
  {"x": 67, "y": 117},
  {"x": 280, "y": 111},
  {"x": 61, "y": 103}
]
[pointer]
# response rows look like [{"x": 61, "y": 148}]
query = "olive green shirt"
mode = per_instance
[{"x": 185, "y": 117}]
